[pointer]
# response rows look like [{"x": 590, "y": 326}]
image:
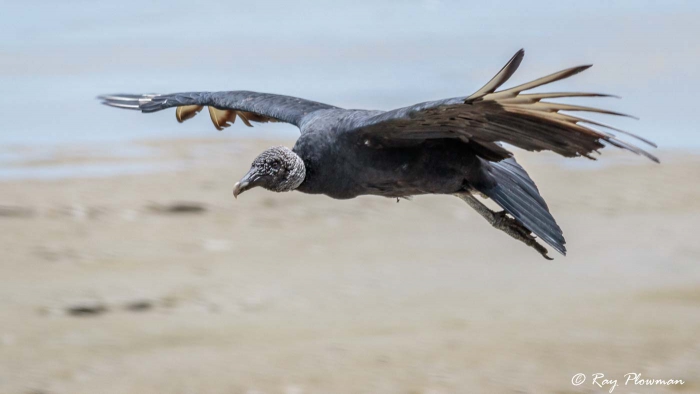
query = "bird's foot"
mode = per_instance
[
  {"x": 500, "y": 220},
  {"x": 505, "y": 223}
]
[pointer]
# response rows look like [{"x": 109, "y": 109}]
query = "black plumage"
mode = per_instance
[{"x": 449, "y": 146}]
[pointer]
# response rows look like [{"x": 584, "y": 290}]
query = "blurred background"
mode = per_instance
[{"x": 128, "y": 267}]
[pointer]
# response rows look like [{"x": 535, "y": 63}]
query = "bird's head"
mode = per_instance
[{"x": 277, "y": 169}]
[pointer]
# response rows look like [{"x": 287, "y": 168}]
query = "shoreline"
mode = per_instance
[{"x": 144, "y": 156}]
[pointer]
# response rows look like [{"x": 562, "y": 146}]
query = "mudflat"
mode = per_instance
[{"x": 160, "y": 282}]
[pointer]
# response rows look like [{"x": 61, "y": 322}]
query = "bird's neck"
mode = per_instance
[{"x": 297, "y": 173}]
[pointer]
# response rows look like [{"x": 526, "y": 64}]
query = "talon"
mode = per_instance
[
  {"x": 543, "y": 251},
  {"x": 518, "y": 231}
]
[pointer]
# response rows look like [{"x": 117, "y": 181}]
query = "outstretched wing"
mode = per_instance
[
  {"x": 487, "y": 117},
  {"x": 224, "y": 107}
]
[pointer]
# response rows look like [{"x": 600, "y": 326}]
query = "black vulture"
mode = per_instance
[{"x": 451, "y": 146}]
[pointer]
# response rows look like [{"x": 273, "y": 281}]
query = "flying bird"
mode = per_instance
[{"x": 451, "y": 146}]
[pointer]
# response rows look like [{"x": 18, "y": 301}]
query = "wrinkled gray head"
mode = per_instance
[{"x": 277, "y": 169}]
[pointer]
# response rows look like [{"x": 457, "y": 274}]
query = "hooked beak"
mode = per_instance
[{"x": 249, "y": 181}]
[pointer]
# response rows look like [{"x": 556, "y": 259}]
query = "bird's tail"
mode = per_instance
[{"x": 518, "y": 195}]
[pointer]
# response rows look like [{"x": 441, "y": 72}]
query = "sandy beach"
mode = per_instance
[{"x": 155, "y": 280}]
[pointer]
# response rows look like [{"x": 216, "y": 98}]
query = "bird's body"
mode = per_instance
[
  {"x": 435, "y": 167},
  {"x": 450, "y": 146}
]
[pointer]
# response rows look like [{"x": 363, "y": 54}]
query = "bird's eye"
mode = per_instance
[{"x": 275, "y": 165}]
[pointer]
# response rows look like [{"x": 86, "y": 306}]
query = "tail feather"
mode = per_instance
[{"x": 518, "y": 195}]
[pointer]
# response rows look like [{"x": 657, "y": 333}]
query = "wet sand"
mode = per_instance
[{"x": 161, "y": 282}]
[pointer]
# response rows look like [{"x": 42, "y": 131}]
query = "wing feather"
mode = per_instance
[
  {"x": 489, "y": 116},
  {"x": 499, "y": 79},
  {"x": 187, "y": 112},
  {"x": 512, "y": 92},
  {"x": 224, "y": 107}
]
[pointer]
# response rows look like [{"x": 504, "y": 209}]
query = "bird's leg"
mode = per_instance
[{"x": 504, "y": 223}]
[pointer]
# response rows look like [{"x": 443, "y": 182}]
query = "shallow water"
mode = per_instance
[{"x": 56, "y": 57}]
